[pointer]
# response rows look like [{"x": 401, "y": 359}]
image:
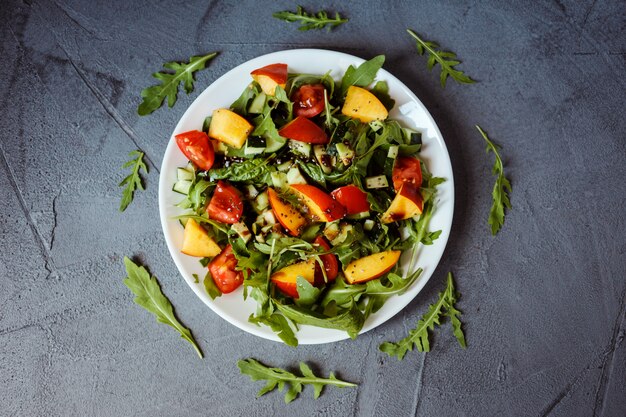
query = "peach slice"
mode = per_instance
[
  {"x": 406, "y": 204},
  {"x": 363, "y": 105},
  {"x": 197, "y": 242},
  {"x": 270, "y": 76},
  {"x": 286, "y": 278},
  {"x": 321, "y": 205},
  {"x": 371, "y": 267},
  {"x": 287, "y": 215}
]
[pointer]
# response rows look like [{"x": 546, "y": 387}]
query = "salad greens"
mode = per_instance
[
  {"x": 364, "y": 157},
  {"x": 154, "y": 96},
  {"x": 501, "y": 188},
  {"x": 446, "y": 59},
  {"x": 319, "y": 20},
  {"x": 419, "y": 337},
  {"x": 134, "y": 180},
  {"x": 281, "y": 379},
  {"x": 149, "y": 295}
]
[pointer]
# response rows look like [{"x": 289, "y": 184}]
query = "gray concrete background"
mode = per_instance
[{"x": 543, "y": 301}]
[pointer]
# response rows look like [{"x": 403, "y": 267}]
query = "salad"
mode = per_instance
[{"x": 305, "y": 193}]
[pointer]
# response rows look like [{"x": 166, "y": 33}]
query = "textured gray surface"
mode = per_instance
[{"x": 543, "y": 301}]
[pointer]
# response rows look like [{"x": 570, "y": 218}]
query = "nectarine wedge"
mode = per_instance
[
  {"x": 286, "y": 278},
  {"x": 229, "y": 127},
  {"x": 270, "y": 76},
  {"x": 197, "y": 242},
  {"x": 371, "y": 267},
  {"x": 363, "y": 105},
  {"x": 322, "y": 206},
  {"x": 287, "y": 215},
  {"x": 406, "y": 204}
]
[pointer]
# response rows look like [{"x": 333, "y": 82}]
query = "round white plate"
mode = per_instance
[{"x": 409, "y": 111}]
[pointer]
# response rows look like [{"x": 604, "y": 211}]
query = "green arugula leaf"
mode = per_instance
[
  {"x": 240, "y": 106},
  {"x": 419, "y": 337},
  {"x": 349, "y": 320},
  {"x": 154, "y": 96},
  {"x": 256, "y": 170},
  {"x": 381, "y": 91},
  {"x": 279, "y": 325},
  {"x": 447, "y": 60},
  {"x": 307, "y": 293},
  {"x": 430, "y": 237},
  {"x": 501, "y": 188},
  {"x": 281, "y": 378},
  {"x": 132, "y": 181},
  {"x": 210, "y": 287},
  {"x": 149, "y": 295},
  {"x": 363, "y": 75},
  {"x": 319, "y": 20}
]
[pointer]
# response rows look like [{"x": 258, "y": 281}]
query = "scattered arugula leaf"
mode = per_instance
[
  {"x": 363, "y": 75},
  {"x": 499, "y": 194},
  {"x": 420, "y": 336},
  {"x": 210, "y": 287},
  {"x": 149, "y": 295},
  {"x": 446, "y": 59},
  {"x": 154, "y": 96},
  {"x": 381, "y": 91},
  {"x": 279, "y": 325},
  {"x": 132, "y": 181},
  {"x": 277, "y": 377},
  {"x": 319, "y": 20}
]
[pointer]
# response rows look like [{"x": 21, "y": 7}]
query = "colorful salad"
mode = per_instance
[{"x": 305, "y": 193}]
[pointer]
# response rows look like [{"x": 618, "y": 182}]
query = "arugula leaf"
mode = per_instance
[
  {"x": 313, "y": 171},
  {"x": 256, "y": 170},
  {"x": 430, "y": 237},
  {"x": 307, "y": 293},
  {"x": 363, "y": 75},
  {"x": 499, "y": 194},
  {"x": 318, "y": 20},
  {"x": 183, "y": 72},
  {"x": 280, "y": 325},
  {"x": 447, "y": 60},
  {"x": 349, "y": 320},
  {"x": 381, "y": 91},
  {"x": 133, "y": 180},
  {"x": 277, "y": 377},
  {"x": 149, "y": 295},
  {"x": 419, "y": 337},
  {"x": 240, "y": 106},
  {"x": 210, "y": 287}
]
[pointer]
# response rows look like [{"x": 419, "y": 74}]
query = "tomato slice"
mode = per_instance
[
  {"x": 226, "y": 205},
  {"x": 308, "y": 100},
  {"x": 197, "y": 148},
  {"x": 352, "y": 198},
  {"x": 222, "y": 269},
  {"x": 331, "y": 265},
  {"x": 303, "y": 130},
  {"x": 406, "y": 169}
]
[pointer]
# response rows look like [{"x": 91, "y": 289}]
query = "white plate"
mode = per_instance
[{"x": 409, "y": 111}]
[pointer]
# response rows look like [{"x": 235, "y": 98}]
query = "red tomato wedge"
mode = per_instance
[
  {"x": 352, "y": 198},
  {"x": 222, "y": 269},
  {"x": 406, "y": 169},
  {"x": 308, "y": 100},
  {"x": 197, "y": 148},
  {"x": 331, "y": 265},
  {"x": 303, "y": 130},
  {"x": 226, "y": 205},
  {"x": 277, "y": 72}
]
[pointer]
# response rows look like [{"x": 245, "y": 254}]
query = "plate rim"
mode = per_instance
[{"x": 163, "y": 188}]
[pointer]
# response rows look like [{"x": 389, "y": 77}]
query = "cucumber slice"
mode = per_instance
[
  {"x": 182, "y": 186},
  {"x": 392, "y": 154},
  {"x": 301, "y": 148},
  {"x": 261, "y": 202},
  {"x": 323, "y": 159},
  {"x": 274, "y": 143},
  {"x": 359, "y": 216},
  {"x": 279, "y": 179},
  {"x": 379, "y": 181},
  {"x": 294, "y": 176},
  {"x": 258, "y": 104},
  {"x": 346, "y": 153},
  {"x": 284, "y": 166},
  {"x": 368, "y": 225},
  {"x": 254, "y": 145},
  {"x": 183, "y": 175},
  {"x": 242, "y": 230}
]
